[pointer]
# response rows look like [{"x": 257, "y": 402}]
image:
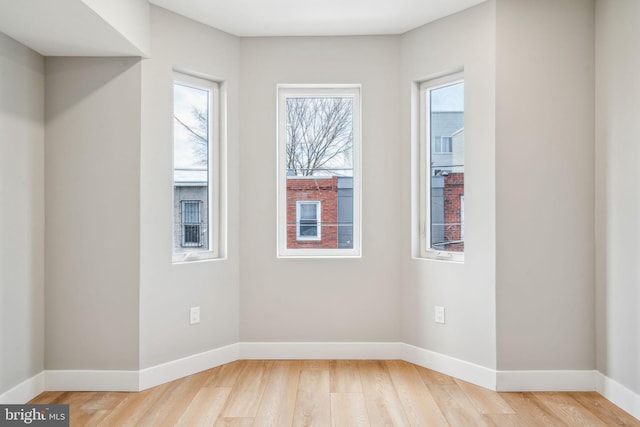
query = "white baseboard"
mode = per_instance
[
  {"x": 320, "y": 350},
  {"x": 91, "y": 380},
  {"x": 619, "y": 395},
  {"x": 458, "y": 368},
  {"x": 24, "y": 392},
  {"x": 561, "y": 380},
  {"x": 94, "y": 380},
  {"x": 160, "y": 374}
]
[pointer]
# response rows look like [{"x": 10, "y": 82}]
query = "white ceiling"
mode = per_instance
[
  {"x": 253, "y": 18},
  {"x": 73, "y": 27},
  {"x": 79, "y": 27}
]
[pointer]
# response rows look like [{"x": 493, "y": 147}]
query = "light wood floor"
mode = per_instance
[{"x": 332, "y": 393}]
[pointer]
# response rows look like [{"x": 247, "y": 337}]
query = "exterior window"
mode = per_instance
[
  {"x": 196, "y": 169},
  {"x": 318, "y": 171},
  {"x": 308, "y": 220},
  {"x": 442, "y": 168},
  {"x": 191, "y": 211},
  {"x": 443, "y": 144}
]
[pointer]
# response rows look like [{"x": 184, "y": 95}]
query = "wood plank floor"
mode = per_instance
[{"x": 332, "y": 393}]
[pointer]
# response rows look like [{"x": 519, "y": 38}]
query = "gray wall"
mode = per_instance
[
  {"x": 320, "y": 299},
  {"x": 92, "y": 198},
  {"x": 544, "y": 184},
  {"x": 467, "y": 291},
  {"x": 21, "y": 213},
  {"x": 168, "y": 290},
  {"x": 618, "y": 190}
]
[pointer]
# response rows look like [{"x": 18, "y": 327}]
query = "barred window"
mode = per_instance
[{"x": 191, "y": 223}]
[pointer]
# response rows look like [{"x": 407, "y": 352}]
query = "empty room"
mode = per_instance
[{"x": 340, "y": 213}]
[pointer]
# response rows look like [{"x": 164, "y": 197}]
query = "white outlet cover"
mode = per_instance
[
  {"x": 439, "y": 314},
  {"x": 194, "y": 315}
]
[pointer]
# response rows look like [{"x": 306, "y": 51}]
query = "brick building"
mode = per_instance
[
  {"x": 319, "y": 212},
  {"x": 447, "y": 191},
  {"x": 454, "y": 212}
]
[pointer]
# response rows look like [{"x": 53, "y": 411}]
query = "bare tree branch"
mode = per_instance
[
  {"x": 198, "y": 134},
  {"x": 194, "y": 134},
  {"x": 319, "y": 135}
]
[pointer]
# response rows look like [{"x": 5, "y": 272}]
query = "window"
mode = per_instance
[
  {"x": 308, "y": 220},
  {"x": 318, "y": 171},
  {"x": 196, "y": 168},
  {"x": 442, "y": 144},
  {"x": 441, "y": 189},
  {"x": 191, "y": 211}
]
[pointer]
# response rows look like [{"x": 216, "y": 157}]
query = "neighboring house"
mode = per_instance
[
  {"x": 454, "y": 212},
  {"x": 320, "y": 212},
  {"x": 445, "y": 125},
  {"x": 191, "y": 212},
  {"x": 447, "y": 211},
  {"x": 447, "y": 181}
]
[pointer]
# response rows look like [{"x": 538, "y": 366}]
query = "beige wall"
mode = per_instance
[
  {"x": 467, "y": 291},
  {"x": 618, "y": 190},
  {"x": 92, "y": 197},
  {"x": 545, "y": 184},
  {"x": 320, "y": 299},
  {"x": 21, "y": 213},
  {"x": 167, "y": 290}
]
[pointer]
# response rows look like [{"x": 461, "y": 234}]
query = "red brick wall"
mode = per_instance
[
  {"x": 453, "y": 189},
  {"x": 324, "y": 190}
]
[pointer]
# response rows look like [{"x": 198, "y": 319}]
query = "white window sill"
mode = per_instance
[
  {"x": 191, "y": 257},
  {"x": 451, "y": 257}
]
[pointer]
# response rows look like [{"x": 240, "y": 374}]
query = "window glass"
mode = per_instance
[
  {"x": 195, "y": 154},
  {"x": 442, "y": 168}
]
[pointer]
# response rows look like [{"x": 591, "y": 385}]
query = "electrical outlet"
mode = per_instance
[
  {"x": 439, "y": 314},
  {"x": 194, "y": 315}
]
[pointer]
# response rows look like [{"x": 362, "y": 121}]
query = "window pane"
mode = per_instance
[
  {"x": 191, "y": 212},
  {"x": 191, "y": 167},
  {"x": 319, "y": 167},
  {"x": 446, "y": 167},
  {"x": 307, "y": 212},
  {"x": 308, "y": 230},
  {"x": 192, "y": 235}
]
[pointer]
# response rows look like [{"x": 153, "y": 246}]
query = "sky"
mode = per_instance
[
  {"x": 448, "y": 98},
  {"x": 185, "y": 99}
]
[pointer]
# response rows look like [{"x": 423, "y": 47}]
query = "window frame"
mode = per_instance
[
  {"x": 285, "y": 91},
  {"x": 424, "y": 168},
  {"x": 214, "y": 169},
  {"x": 462, "y": 216},
  {"x": 318, "y": 220}
]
